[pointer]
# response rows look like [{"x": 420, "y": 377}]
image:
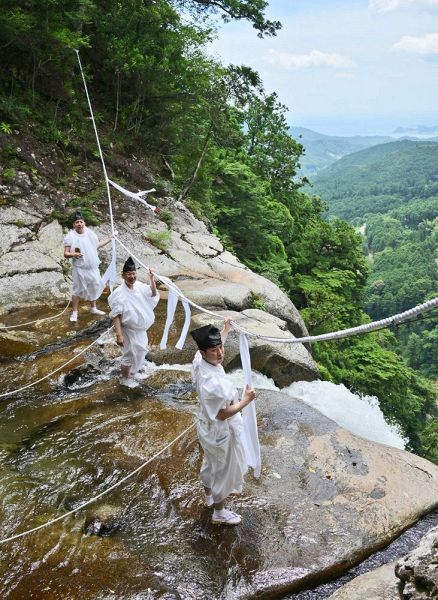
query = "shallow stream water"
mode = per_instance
[{"x": 71, "y": 437}]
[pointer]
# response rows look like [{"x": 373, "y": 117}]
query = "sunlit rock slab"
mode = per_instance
[{"x": 378, "y": 584}]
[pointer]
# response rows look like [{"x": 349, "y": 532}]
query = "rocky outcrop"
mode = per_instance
[
  {"x": 284, "y": 363},
  {"x": 33, "y": 270},
  {"x": 418, "y": 570},
  {"x": 325, "y": 499},
  {"x": 413, "y": 577}
]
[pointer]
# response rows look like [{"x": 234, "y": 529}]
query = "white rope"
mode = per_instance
[
  {"x": 36, "y": 321},
  {"x": 81, "y": 506},
  {"x": 56, "y": 370},
  {"x": 367, "y": 327},
  {"x": 98, "y": 145}
]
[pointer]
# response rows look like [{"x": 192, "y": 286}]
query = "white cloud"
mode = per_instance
[
  {"x": 428, "y": 44},
  {"x": 315, "y": 58},
  {"x": 389, "y": 5}
]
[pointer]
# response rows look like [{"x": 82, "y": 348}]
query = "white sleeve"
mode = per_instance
[
  {"x": 215, "y": 396},
  {"x": 152, "y": 300},
  {"x": 93, "y": 237},
  {"x": 69, "y": 239},
  {"x": 115, "y": 304}
]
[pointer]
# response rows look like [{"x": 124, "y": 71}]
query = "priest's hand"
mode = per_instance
[
  {"x": 249, "y": 395},
  {"x": 119, "y": 340},
  {"x": 227, "y": 324}
]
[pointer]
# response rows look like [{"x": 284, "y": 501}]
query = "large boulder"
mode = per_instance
[
  {"x": 284, "y": 363},
  {"x": 31, "y": 264},
  {"x": 326, "y": 498}
]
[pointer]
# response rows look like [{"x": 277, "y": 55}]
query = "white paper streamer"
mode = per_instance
[
  {"x": 172, "y": 301},
  {"x": 135, "y": 196},
  {"x": 182, "y": 338},
  {"x": 250, "y": 437}
]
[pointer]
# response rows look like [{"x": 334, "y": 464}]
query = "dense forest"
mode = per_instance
[
  {"x": 217, "y": 140},
  {"x": 393, "y": 190},
  {"x": 380, "y": 178}
]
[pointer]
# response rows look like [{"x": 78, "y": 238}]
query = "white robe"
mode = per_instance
[
  {"x": 224, "y": 464},
  {"x": 87, "y": 283},
  {"x": 136, "y": 310}
]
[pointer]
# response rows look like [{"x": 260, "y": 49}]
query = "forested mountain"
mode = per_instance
[
  {"x": 213, "y": 138},
  {"x": 322, "y": 150},
  {"x": 393, "y": 189},
  {"x": 379, "y": 179}
]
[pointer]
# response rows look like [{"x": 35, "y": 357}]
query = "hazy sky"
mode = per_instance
[{"x": 346, "y": 66}]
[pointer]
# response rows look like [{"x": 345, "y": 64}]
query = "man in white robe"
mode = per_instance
[
  {"x": 220, "y": 422},
  {"x": 81, "y": 244},
  {"x": 132, "y": 310}
]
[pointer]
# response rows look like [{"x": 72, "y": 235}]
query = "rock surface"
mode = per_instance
[
  {"x": 34, "y": 271},
  {"x": 324, "y": 501},
  {"x": 418, "y": 570},
  {"x": 413, "y": 577},
  {"x": 284, "y": 363},
  {"x": 378, "y": 584}
]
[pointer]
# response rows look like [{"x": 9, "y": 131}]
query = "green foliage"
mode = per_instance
[
  {"x": 8, "y": 175},
  {"x": 258, "y": 302},
  {"x": 167, "y": 217},
  {"x": 159, "y": 239},
  {"x": 87, "y": 206},
  {"x": 429, "y": 438},
  {"x": 251, "y": 10},
  {"x": 251, "y": 219},
  {"x": 5, "y": 128}
]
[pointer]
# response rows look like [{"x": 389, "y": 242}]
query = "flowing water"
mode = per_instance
[{"x": 77, "y": 433}]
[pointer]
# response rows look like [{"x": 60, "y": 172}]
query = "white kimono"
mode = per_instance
[
  {"x": 87, "y": 283},
  {"x": 224, "y": 463},
  {"x": 136, "y": 310}
]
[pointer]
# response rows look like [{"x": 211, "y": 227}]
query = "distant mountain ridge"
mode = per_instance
[
  {"x": 419, "y": 130},
  {"x": 379, "y": 178},
  {"x": 323, "y": 150}
]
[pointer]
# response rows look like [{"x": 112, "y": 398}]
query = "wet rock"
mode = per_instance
[
  {"x": 418, "y": 570},
  {"x": 14, "y": 343},
  {"x": 318, "y": 523},
  {"x": 102, "y": 521},
  {"x": 82, "y": 376}
]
